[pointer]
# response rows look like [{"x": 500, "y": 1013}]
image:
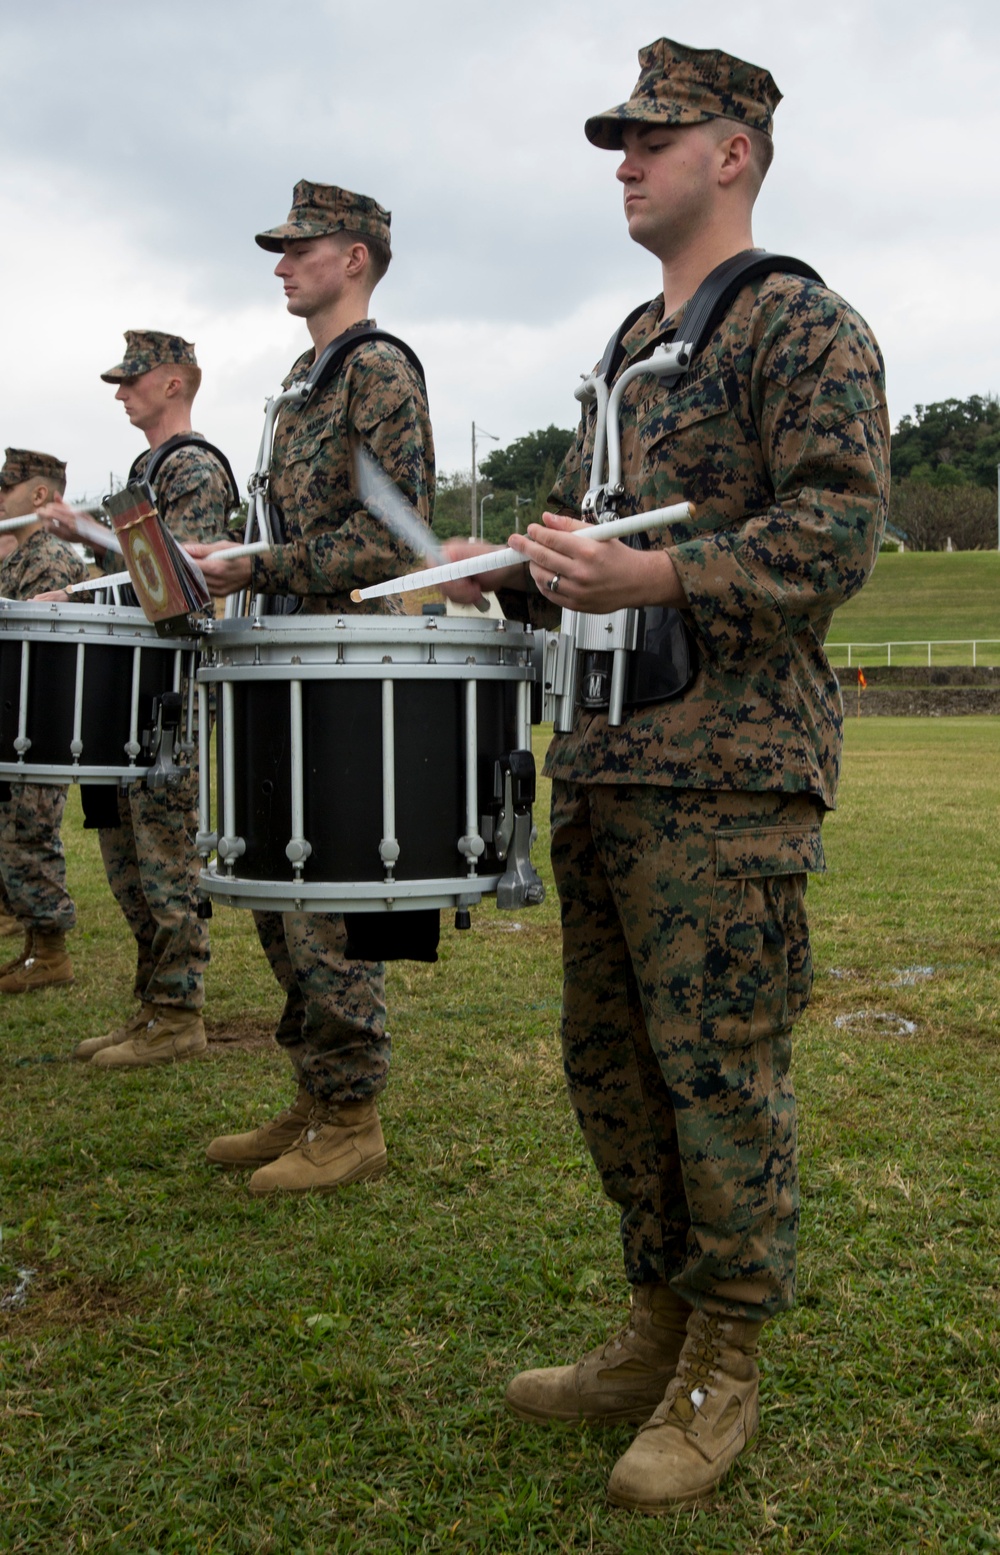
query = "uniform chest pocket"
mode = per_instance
[
  {"x": 691, "y": 445},
  {"x": 313, "y": 442},
  {"x": 694, "y": 413}
]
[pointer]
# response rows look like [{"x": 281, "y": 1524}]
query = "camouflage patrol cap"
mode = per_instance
[
  {"x": 318, "y": 209},
  {"x": 678, "y": 85},
  {"x": 20, "y": 464},
  {"x": 149, "y": 348}
]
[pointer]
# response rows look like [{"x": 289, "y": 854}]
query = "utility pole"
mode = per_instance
[{"x": 482, "y": 433}]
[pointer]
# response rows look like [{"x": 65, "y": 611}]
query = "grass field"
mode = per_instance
[
  {"x": 921, "y": 595},
  {"x": 195, "y": 1371}
]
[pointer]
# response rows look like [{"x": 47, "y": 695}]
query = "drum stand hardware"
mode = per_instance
[
  {"x": 512, "y": 832},
  {"x": 161, "y": 742}
]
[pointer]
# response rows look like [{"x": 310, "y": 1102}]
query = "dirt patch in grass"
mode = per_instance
[
  {"x": 57, "y": 1299},
  {"x": 246, "y": 1032}
]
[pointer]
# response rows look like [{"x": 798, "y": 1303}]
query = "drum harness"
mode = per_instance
[
  {"x": 641, "y": 655},
  {"x": 265, "y": 520}
]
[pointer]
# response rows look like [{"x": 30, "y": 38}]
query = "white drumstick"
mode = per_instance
[
  {"x": 492, "y": 561},
  {"x": 17, "y": 523},
  {"x": 116, "y": 579},
  {"x": 104, "y": 580}
]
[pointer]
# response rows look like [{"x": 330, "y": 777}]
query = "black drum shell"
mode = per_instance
[
  {"x": 107, "y": 699},
  {"x": 343, "y": 775}
]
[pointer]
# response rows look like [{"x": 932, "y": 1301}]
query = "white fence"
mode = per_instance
[{"x": 984, "y": 650}]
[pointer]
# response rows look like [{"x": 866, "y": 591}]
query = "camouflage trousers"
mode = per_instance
[
  {"x": 32, "y": 859},
  {"x": 333, "y": 1023},
  {"x": 152, "y": 866},
  {"x": 686, "y": 961}
]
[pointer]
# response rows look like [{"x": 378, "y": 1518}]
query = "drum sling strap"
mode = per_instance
[
  {"x": 665, "y": 661},
  {"x": 100, "y": 800}
]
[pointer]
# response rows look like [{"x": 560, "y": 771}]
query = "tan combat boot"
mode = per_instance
[
  {"x": 340, "y": 1144},
  {"x": 45, "y": 966},
  {"x": 90, "y": 1045},
  {"x": 260, "y": 1145},
  {"x": 8, "y": 924},
  {"x": 172, "y": 1034},
  {"x": 624, "y": 1379},
  {"x": 708, "y": 1414}
]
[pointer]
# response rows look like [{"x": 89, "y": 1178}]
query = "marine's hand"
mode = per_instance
[
  {"x": 60, "y": 519},
  {"x": 595, "y": 576},
  {"x": 469, "y": 591},
  {"x": 52, "y": 594},
  {"x": 223, "y": 577}
]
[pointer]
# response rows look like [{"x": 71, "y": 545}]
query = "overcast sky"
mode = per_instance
[{"x": 144, "y": 146}]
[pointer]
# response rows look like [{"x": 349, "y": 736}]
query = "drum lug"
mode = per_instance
[
  {"x": 297, "y": 851},
  {"x": 231, "y": 848}
]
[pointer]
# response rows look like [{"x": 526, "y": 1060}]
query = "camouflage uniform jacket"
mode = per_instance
[
  {"x": 40, "y": 563},
  {"x": 334, "y": 544},
  {"x": 780, "y": 436},
  {"x": 192, "y": 495}
]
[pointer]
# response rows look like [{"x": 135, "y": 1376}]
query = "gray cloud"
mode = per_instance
[{"x": 144, "y": 147}]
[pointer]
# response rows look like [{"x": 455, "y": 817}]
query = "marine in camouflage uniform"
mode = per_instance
[
  {"x": 333, "y": 1024},
  {"x": 682, "y": 840},
  {"x": 150, "y": 856},
  {"x": 32, "y": 859}
]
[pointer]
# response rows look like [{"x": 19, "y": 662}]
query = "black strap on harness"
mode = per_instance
[
  {"x": 710, "y": 303},
  {"x": 183, "y": 440},
  {"x": 332, "y": 358}
]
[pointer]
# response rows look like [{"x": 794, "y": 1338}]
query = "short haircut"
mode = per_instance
[
  {"x": 761, "y": 152},
  {"x": 379, "y": 253},
  {"x": 190, "y": 377},
  {"x": 761, "y": 148}
]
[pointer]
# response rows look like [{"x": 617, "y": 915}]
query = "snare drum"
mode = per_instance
[
  {"x": 77, "y": 687},
  {"x": 367, "y": 763}
]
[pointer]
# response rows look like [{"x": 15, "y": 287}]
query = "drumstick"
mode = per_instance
[
  {"x": 17, "y": 523},
  {"x": 384, "y": 500},
  {"x": 492, "y": 561},
  {"x": 114, "y": 579}
]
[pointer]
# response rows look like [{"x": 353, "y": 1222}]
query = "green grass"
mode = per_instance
[
  {"x": 919, "y": 595},
  {"x": 195, "y": 1371}
]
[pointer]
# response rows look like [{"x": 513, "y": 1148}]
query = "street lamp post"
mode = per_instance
[
  {"x": 519, "y": 503},
  {"x": 488, "y": 498},
  {"x": 482, "y": 433}
]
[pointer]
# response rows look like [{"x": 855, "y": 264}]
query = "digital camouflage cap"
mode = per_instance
[
  {"x": 20, "y": 464},
  {"x": 678, "y": 85},
  {"x": 149, "y": 348},
  {"x": 319, "y": 209}
]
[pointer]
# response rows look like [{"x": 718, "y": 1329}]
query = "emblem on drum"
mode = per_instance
[
  {"x": 596, "y": 689},
  {"x": 148, "y": 568}
]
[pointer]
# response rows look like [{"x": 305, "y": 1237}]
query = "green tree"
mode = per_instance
[
  {"x": 949, "y": 443},
  {"x": 523, "y": 465}
]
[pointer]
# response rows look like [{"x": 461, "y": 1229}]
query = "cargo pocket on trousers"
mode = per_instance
[{"x": 758, "y": 965}]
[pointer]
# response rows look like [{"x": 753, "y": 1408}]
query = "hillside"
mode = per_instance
[{"x": 925, "y": 594}]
